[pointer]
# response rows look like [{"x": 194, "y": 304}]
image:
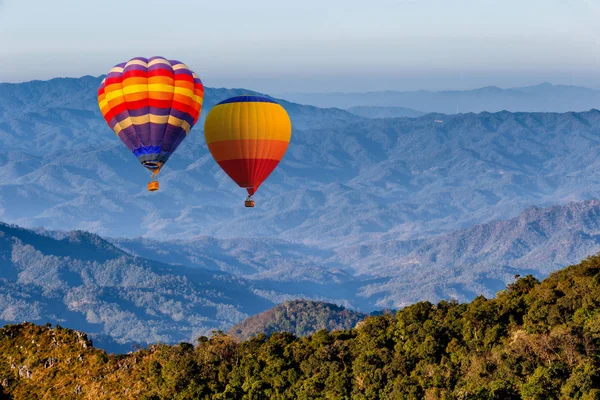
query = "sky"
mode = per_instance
[{"x": 279, "y": 46}]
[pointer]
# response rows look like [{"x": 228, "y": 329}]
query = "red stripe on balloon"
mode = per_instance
[
  {"x": 184, "y": 108},
  {"x": 117, "y": 109},
  {"x": 249, "y": 173},
  {"x": 134, "y": 73},
  {"x": 160, "y": 72},
  {"x": 184, "y": 77},
  {"x": 111, "y": 81}
]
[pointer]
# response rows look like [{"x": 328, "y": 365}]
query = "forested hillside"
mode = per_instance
[
  {"x": 300, "y": 317},
  {"x": 533, "y": 341}
]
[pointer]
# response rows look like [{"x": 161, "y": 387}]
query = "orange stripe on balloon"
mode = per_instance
[
  {"x": 248, "y": 149},
  {"x": 135, "y": 81},
  {"x": 165, "y": 80},
  {"x": 133, "y": 97},
  {"x": 161, "y": 95}
]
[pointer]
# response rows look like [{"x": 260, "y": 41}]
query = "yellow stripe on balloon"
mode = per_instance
[
  {"x": 157, "y": 119},
  {"x": 102, "y": 102},
  {"x": 136, "y": 62},
  {"x": 184, "y": 91},
  {"x": 114, "y": 94},
  {"x": 231, "y": 121},
  {"x": 152, "y": 87},
  {"x": 158, "y": 61},
  {"x": 180, "y": 66}
]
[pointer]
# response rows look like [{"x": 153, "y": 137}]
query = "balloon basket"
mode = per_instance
[
  {"x": 249, "y": 202},
  {"x": 153, "y": 186}
]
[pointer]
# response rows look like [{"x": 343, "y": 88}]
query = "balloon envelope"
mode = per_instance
[
  {"x": 151, "y": 104},
  {"x": 248, "y": 136}
]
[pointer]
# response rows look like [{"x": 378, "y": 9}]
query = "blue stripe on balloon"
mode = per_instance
[
  {"x": 147, "y": 150},
  {"x": 248, "y": 99}
]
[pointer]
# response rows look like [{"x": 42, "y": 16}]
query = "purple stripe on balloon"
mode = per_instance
[
  {"x": 143, "y": 59},
  {"x": 167, "y": 68},
  {"x": 113, "y": 75},
  {"x": 135, "y": 67},
  {"x": 157, "y": 132},
  {"x": 159, "y": 111},
  {"x": 121, "y": 116},
  {"x": 112, "y": 123},
  {"x": 125, "y": 140},
  {"x": 138, "y": 112},
  {"x": 182, "y": 135},
  {"x": 169, "y": 138},
  {"x": 130, "y": 133},
  {"x": 142, "y": 131},
  {"x": 182, "y": 115},
  {"x": 173, "y": 137}
]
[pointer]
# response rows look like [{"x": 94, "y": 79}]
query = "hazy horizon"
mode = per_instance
[
  {"x": 332, "y": 91},
  {"x": 313, "y": 47}
]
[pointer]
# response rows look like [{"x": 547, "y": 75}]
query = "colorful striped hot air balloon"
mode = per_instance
[
  {"x": 151, "y": 104},
  {"x": 248, "y": 136}
]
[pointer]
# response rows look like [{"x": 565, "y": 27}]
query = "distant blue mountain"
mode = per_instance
[
  {"x": 539, "y": 98},
  {"x": 82, "y": 281},
  {"x": 345, "y": 218},
  {"x": 392, "y": 272},
  {"x": 385, "y": 112},
  {"x": 344, "y": 180},
  {"x": 127, "y": 291},
  {"x": 45, "y": 117}
]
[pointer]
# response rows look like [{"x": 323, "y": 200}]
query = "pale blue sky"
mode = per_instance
[{"x": 311, "y": 45}]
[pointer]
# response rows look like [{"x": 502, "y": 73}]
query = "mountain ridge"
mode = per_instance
[
  {"x": 544, "y": 97},
  {"x": 84, "y": 281}
]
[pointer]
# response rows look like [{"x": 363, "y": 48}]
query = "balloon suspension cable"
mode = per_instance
[{"x": 153, "y": 185}]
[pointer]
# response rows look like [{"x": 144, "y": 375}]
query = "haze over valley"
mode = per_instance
[{"x": 365, "y": 211}]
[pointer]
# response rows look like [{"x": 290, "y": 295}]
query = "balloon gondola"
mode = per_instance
[
  {"x": 248, "y": 136},
  {"x": 151, "y": 104},
  {"x": 249, "y": 202}
]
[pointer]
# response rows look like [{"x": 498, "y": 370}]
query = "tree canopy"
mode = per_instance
[{"x": 533, "y": 341}]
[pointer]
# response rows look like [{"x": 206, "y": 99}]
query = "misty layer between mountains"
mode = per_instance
[{"x": 364, "y": 212}]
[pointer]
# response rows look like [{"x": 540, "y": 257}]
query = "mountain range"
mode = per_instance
[
  {"x": 179, "y": 291},
  {"x": 539, "y": 98},
  {"x": 367, "y": 213},
  {"x": 82, "y": 281},
  {"x": 345, "y": 179},
  {"x": 385, "y": 112},
  {"x": 391, "y": 272}
]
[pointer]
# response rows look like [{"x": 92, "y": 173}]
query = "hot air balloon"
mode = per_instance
[
  {"x": 151, "y": 104},
  {"x": 248, "y": 136}
]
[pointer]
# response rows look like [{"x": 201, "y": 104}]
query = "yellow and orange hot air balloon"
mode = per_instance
[{"x": 248, "y": 136}]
